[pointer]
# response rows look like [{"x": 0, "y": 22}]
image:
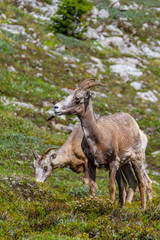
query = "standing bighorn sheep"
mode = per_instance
[{"x": 111, "y": 141}]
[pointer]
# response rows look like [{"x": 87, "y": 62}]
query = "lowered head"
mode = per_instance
[{"x": 43, "y": 164}]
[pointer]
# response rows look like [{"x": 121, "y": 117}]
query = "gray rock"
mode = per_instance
[
  {"x": 62, "y": 127},
  {"x": 99, "y": 64},
  {"x": 47, "y": 104},
  {"x": 149, "y": 53},
  {"x": 117, "y": 41},
  {"x": 61, "y": 49},
  {"x": 95, "y": 12},
  {"x": 51, "y": 112},
  {"x": 39, "y": 75},
  {"x": 149, "y": 96},
  {"x": 46, "y": 48},
  {"x": 11, "y": 69},
  {"x": 41, "y": 17},
  {"x": 133, "y": 62},
  {"x": 14, "y": 102},
  {"x": 126, "y": 71},
  {"x": 91, "y": 33},
  {"x": 124, "y": 8},
  {"x": 99, "y": 94},
  {"x": 92, "y": 71},
  {"x": 115, "y": 3},
  {"x": 154, "y": 154},
  {"x": 33, "y": 3},
  {"x": 144, "y": 26},
  {"x": 3, "y": 16},
  {"x": 157, "y": 9},
  {"x": 70, "y": 58},
  {"x": 137, "y": 85},
  {"x": 67, "y": 90},
  {"x": 103, "y": 13},
  {"x": 99, "y": 29},
  {"x": 114, "y": 30},
  {"x": 23, "y": 47},
  {"x": 15, "y": 29}
]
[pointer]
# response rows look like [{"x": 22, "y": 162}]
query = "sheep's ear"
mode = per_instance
[
  {"x": 36, "y": 155},
  {"x": 54, "y": 155},
  {"x": 92, "y": 94},
  {"x": 88, "y": 94}
]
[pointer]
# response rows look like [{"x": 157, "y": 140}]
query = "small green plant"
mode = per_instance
[
  {"x": 48, "y": 1},
  {"x": 6, "y": 47},
  {"x": 69, "y": 18}
]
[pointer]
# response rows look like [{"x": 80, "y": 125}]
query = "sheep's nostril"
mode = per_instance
[{"x": 55, "y": 107}]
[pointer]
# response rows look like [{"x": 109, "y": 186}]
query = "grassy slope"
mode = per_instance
[{"x": 60, "y": 208}]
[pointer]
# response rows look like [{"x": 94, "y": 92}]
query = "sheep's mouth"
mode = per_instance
[{"x": 57, "y": 112}]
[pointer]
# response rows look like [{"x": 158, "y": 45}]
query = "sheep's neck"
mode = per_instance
[
  {"x": 61, "y": 159},
  {"x": 88, "y": 123}
]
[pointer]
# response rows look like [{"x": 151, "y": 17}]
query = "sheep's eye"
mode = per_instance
[
  {"x": 77, "y": 99},
  {"x": 45, "y": 168},
  {"x": 54, "y": 155}
]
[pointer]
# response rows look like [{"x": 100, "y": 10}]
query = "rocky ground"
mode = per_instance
[{"x": 37, "y": 68}]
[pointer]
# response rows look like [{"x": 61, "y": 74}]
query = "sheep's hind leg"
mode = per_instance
[
  {"x": 132, "y": 182},
  {"x": 121, "y": 186},
  {"x": 148, "y": 186},
  {"x": 137, "y": 163}
]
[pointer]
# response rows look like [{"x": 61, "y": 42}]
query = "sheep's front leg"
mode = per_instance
[
  {"x": 92, "y": 173},
  {"x": 113, "y": 167},
  {"x": 86, "y": 173}
]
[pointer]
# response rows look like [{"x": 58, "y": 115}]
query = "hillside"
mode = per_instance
[{"x": 38, "y": 68}]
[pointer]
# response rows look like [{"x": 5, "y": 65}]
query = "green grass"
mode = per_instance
[{"x": 61, "y": 208}]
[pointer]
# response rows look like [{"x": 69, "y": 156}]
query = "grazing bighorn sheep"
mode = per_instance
[
  {"x": 110, "y": 141},
  {"x": 69, "y": 155}
]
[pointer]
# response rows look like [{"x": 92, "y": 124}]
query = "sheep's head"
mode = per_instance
[
  {"x": 43, "y": 164},
  {"x": 76, "y": 102}
]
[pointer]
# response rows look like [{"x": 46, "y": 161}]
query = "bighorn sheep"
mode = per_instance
[
  {"x": 69, "y": 155},
  {"x": 110, "y": 141}
]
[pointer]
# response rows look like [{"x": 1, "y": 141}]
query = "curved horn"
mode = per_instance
[
  {"x": 36, "y": 155},
  {"x": 88, "y": 83},
  {"x": 48, "y": 150}
]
